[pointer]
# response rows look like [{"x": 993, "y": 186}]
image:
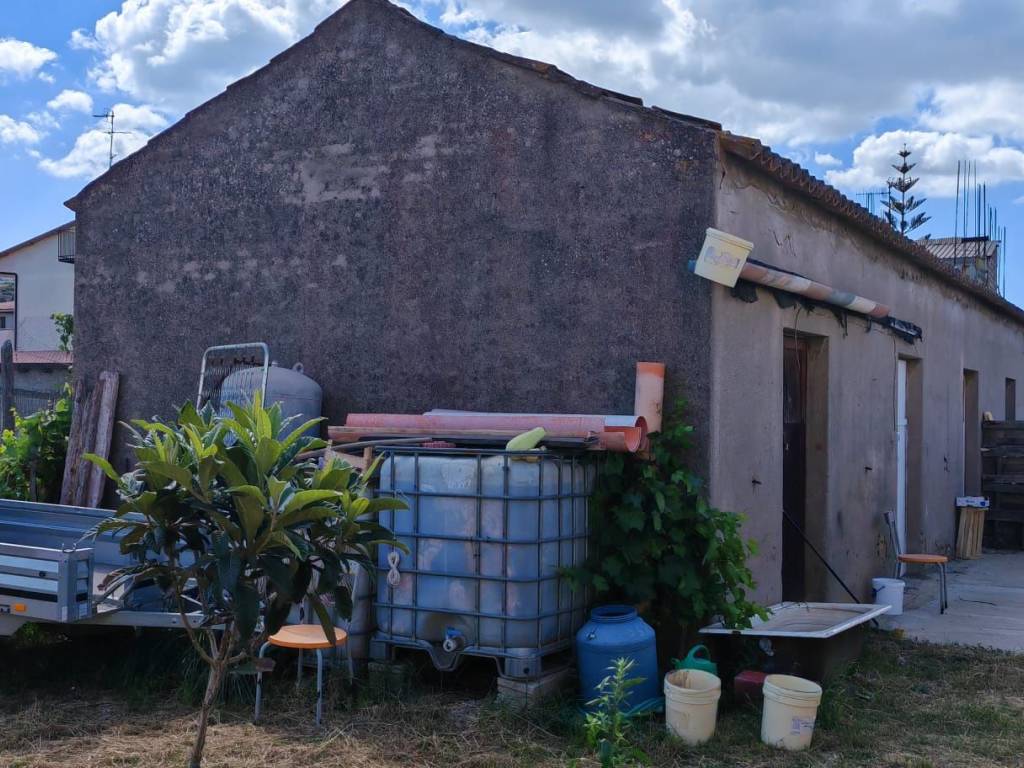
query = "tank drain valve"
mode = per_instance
[{"x": 454, "y": 640}]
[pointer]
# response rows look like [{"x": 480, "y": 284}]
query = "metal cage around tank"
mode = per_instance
[{"x": 489, "y": 534}]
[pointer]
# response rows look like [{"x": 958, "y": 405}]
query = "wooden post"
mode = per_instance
[
  {"x": 7, "y": 385},
  {"x": 88, "y": 432},
  {"x": 107, "y": 403},
  {"x": 73, "y": 457}
]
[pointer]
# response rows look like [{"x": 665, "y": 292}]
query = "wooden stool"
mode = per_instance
[
  {"x": 939, "y": 561},
  {"x": 302, "y": 637}
]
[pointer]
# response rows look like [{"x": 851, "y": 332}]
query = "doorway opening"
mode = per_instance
[
  {"x": 972, "y": 435},
  {"x": 804, "y": 460}
]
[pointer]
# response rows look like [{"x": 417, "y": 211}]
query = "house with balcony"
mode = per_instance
[{"x": 37, "y": 280}]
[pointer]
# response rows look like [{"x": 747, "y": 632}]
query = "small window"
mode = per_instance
[
  {"x": 1011, "y": 399},
  {"x": 3, "y": 321}
]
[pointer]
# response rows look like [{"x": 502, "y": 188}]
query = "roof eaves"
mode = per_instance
[
  {"x": 37, "y": 238},
  {"x": 798, "y": 179}
]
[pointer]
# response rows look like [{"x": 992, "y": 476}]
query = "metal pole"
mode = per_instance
[{"x": 831, "y": 570}]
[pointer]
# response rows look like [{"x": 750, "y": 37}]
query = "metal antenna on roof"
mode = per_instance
[
  {"x": 109, "y": 116},
  {"x": 956, "y": 215}
]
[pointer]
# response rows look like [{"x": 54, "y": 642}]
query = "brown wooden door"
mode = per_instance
[{"x": 794, "y": 466}]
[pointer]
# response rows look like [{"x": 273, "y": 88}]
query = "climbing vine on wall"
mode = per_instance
[{"x": 657, "y": 543}]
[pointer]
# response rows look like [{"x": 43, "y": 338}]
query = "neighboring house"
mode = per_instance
[
  {"x": 975, "y": 257},
  {"x": 425, "y": 222},
  {"x": 42, "y": 269},
  {"x": 44, "y": 274}
]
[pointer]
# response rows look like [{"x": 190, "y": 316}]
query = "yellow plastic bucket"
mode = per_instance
[
  {"x": 790, "y": 709},
  {"x": 691, "y": 704}
]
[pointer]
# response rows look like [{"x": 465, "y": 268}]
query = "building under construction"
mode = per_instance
[{"x": 977, "y": 258}]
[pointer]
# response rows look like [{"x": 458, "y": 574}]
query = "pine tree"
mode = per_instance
[{"x": 899, "y": 210}]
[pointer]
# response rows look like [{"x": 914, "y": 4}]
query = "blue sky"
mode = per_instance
[{"x": 839, "y": 87}]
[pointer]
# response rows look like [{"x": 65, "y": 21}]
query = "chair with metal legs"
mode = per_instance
[
  {"x": 939, "y": 561},
  {"x": 302, "y": 637}
]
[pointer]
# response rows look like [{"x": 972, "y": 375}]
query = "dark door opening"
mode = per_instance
[
  {"x": 972, "y": 434},
  {"x": 794, "y": 466}
]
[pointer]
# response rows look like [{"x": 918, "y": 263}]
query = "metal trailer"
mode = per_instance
[{"x": 50, "y": 572}]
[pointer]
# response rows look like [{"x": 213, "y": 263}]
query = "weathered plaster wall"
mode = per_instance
[
  {"x": 420, "y": 223},
  {"x": 960, "y": 332}
]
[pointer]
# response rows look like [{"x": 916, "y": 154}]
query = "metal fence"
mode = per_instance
[{"x": 29, "y": 401}]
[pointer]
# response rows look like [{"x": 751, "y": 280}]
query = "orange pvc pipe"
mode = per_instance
[
  {"x": 650, "y": 393},
  {"x": 614, "y": 433}
]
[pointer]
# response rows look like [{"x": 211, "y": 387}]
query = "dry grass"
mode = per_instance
[{"x": 904, "y": 705}]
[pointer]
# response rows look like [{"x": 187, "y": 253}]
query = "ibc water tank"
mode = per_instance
[{"x": 489, "y": 534}]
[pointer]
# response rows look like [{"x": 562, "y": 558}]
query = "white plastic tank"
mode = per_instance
[{"x": 488, "y": 534}]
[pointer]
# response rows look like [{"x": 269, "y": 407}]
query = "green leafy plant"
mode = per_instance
[
  {"x": 656, "y": 542},
  {"x": 65, "y": 330},
  {"x": 607, "y": 726},
  {"x": 32, "y": 454},
  {"x": 222, "y": 514}
]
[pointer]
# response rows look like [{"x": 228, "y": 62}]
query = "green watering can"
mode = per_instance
[{"x": 698, "y": 658}]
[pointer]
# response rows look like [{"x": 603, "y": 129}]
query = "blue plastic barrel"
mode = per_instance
[{"x": 612, "y": 632}]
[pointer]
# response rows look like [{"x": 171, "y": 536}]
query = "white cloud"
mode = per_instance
[
  {"x": 17, "y": 132},
  {"x": 749, "y": 64},
  {"x": 89, "y": 156},
  {"x": 826, "y": 160},
  {"x": 178, "y": 53},
  {"x": 81, "y": 40},
  {"x": 43, "y": 120},
  {"x": 23, "y": 59},
  {"x": 753, "y": 66},
  {"x": 993, "y": 107},
  {"x": 936, "y": 155},
  {"x": 72, "y": 101}
]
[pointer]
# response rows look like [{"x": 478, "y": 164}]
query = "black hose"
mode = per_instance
[{"x": 807, "y": 541}]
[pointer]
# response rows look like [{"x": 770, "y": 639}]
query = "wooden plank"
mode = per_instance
[
  {"x": 1010, "y": 478},
  {"x": 80, "y": 490},
  {"x": 1004, "y": 451},
  {"x": 75, "y": 449},
  {"x": 108, "y": 386},
  {"x": 7, "y": 385},
  {"x": 1006, "y": 515},
  {"x": 1000, "y": 486}
]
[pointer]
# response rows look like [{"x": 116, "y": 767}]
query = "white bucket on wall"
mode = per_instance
[{"x": 889, "y": 592}]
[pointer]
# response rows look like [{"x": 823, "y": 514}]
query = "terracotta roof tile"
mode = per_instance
[
  {"x": 42, "y": 357},
  {"x": 798, "y": 179}
]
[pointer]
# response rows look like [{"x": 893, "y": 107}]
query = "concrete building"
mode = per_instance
[
  {"x": 44, "y": 276},
  {"x": 976, "y": 257},
  {"x": 424, "y": 222}
]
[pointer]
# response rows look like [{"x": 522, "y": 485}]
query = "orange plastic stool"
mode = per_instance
[{"x": 302, "y": 637}]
